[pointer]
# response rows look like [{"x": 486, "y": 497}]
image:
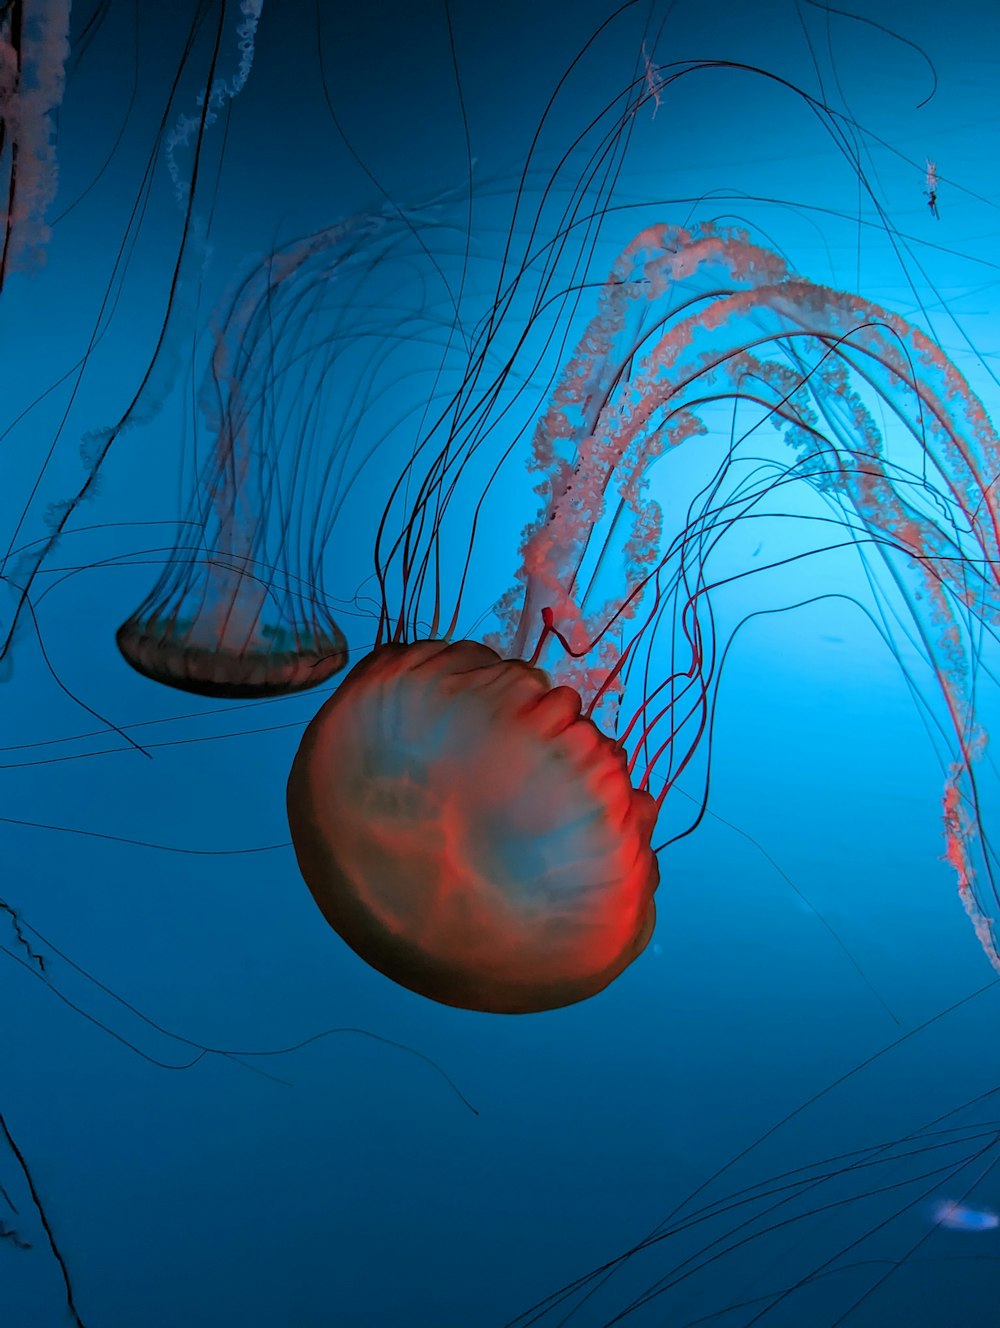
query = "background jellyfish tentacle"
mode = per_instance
[
  {"x": 958, "y": 1148},
  {"x": 35, "y": 953},
  {"x": 17, "y": 1241},
  {"x": 212, "y": 98},
  {"x": 76, "y": 989},
  {"x": 34, "y": 44}
]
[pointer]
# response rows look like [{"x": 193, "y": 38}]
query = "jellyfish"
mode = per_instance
[
  {"x": 232, "y": 616},
  {"x": 475, "y": 818},
  {"x": 238, "y": 613},
  {"x": 240, "y": 608},
  {"x": 490, "y": 851}
]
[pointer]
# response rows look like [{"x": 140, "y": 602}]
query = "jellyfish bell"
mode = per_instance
[
  {"x": 233, "y": 654},
  {"x": 469, "y": 833}
]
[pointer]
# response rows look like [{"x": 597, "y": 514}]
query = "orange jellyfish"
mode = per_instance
[
  {"x": 470, "y": 833},
  {"x": 480, "y": 830}
]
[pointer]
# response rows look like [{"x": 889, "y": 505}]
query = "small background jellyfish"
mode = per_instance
[
  {"x": 147, "y": 844},
  {"x": 301, "y": 355}
]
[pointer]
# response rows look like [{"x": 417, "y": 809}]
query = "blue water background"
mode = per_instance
[{"x": 355, "y": 1188}]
